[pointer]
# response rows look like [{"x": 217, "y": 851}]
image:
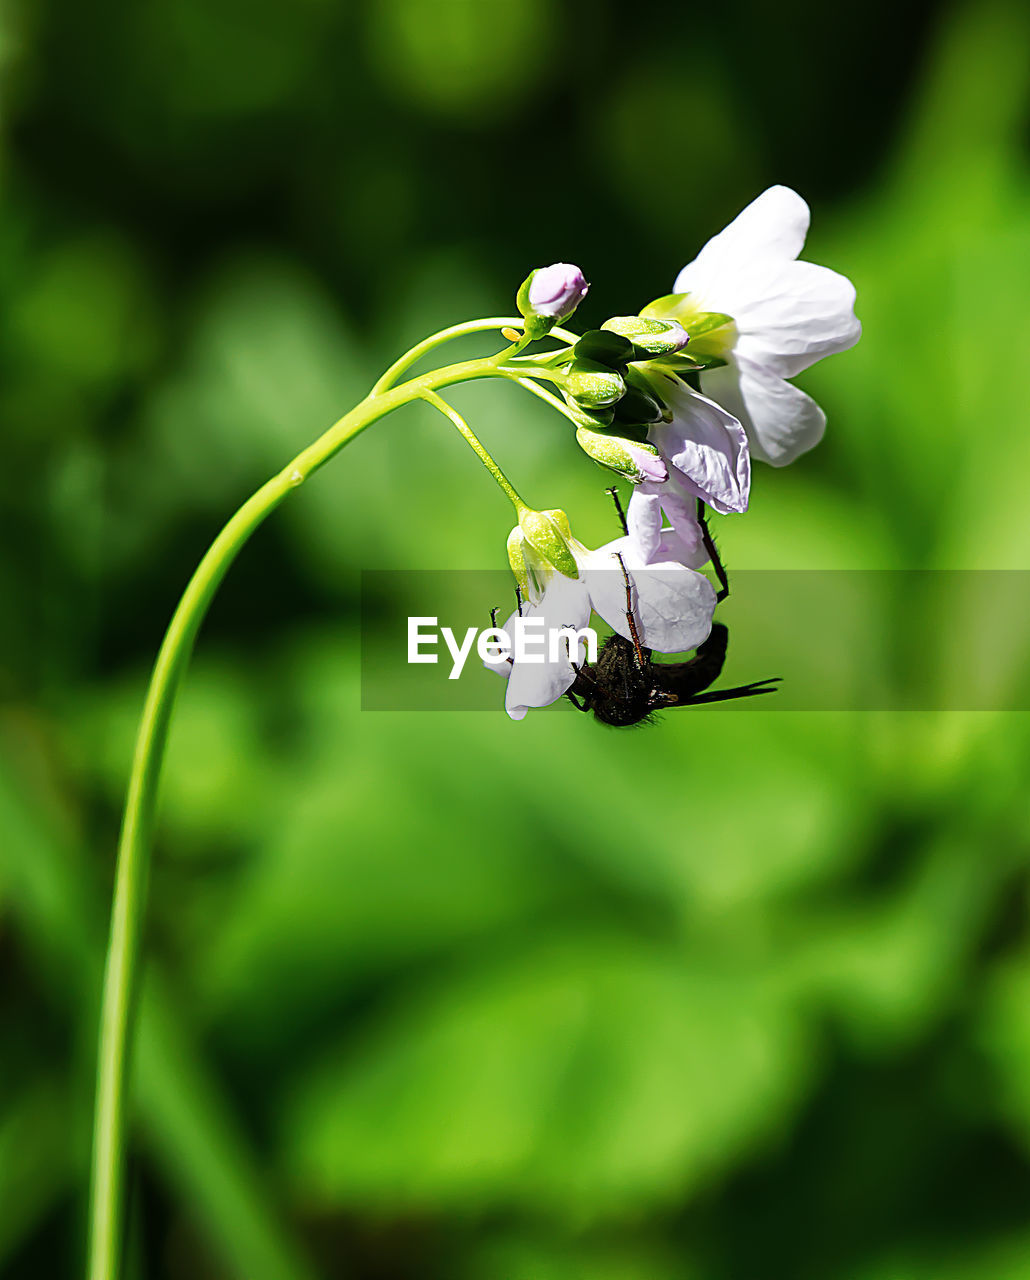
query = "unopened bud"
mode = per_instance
[
  {"x": 548, "y": 533},
  {"x": 593, "y": 385},
  {"x": 712, "y": 333},
  {"x": 634, "y": 462},
  {"x": 605, "y": 348},
  {"x": 636, "y": 406},
  {"x": 549, "y": 295},
  {"x": 650, "y": 336}
]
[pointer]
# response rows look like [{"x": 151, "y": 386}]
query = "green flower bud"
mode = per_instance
[
  {"x": 592, "y": 419},
  {"x": 548, "y": 533},
  {"x": 649, "y": 335},
  {"x": 637, "y": 406},
  {"x": 592, "y": 385},
  {"x": 609, "y": 349},
  {"x": 712, "y": 333},
  {"x": 632, "y": 460}
]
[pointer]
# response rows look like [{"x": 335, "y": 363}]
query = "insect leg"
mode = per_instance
[
  {"x": 583, "y": 682},
  {"x": 613, "y": 493},
  {"x": 629, "y": 613},
  {"x": 713, "y": 553},
  {"x": 493, "y": 622}
]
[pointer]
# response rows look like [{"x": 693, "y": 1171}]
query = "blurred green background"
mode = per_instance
[{"x": 439, "y": 995}]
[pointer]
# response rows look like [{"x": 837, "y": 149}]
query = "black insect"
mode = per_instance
[{"x": 624, "y": 687}]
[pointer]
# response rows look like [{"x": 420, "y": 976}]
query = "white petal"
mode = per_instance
[
  {"x": 672, "y": 605},
  {"x": 537, "y": 684},
  {"x": 684, "y": 541},
  {"x": 787, "y": 314},
  {"x": 781, "y": 421},
  {"x": 644, "y": 518},
  {"x": 708, "y": 446},
  {"x": 771, "y": 228},
  {"x": 804, "y": 313},
  {"x": 675, "y": 547}
]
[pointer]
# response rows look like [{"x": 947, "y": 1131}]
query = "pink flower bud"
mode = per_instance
[
  {"x": 648, "y": 463},
  {"x": 557, "y": 291}
]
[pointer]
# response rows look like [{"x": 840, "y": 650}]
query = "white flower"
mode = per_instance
[
  {"x": 672, "y": 609},
  {"x": 705, "y": 449},
  {"x": 786, "y": 315},
  {"x": 683, "y": 542}
]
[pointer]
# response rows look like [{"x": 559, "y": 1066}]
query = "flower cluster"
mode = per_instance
[{"x": 677, "y": 400}]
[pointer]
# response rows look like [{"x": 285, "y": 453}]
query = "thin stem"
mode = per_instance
[
  {"x": 473, "y": 440},
  {"x": 121, "y": 976},
  {"x": 558, "y": 377},
  {"x": 548, "y": 396},
  {"x": 435, "y": 340},
  {"x": 541, "y": 360}
]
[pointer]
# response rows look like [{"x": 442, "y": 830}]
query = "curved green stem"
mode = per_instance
[
  {"x": 427, "y": 345},
  {"x": 547, "y": 396},
  {"x": 435, "y": 340},
  {"x": 473, "y": 440},
  {"x": 121, "y": 978}
]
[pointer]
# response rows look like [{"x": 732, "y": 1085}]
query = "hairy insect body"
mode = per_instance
[
  {"x": 624, "y": 687},
  {"x": 617, "y": 690}
]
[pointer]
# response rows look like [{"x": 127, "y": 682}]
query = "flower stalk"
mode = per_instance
[
  {"x": 472, "y": 440},
  {"x": 121, "y": 972},
  {"x": 746, "y": 317}
]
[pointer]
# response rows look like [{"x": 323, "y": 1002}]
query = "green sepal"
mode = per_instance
[
  {"x": 707, "y": 321},
  {"x": 635, "y": 431},
  {"x": 548, "y": 534},
  {"x": 642, "y": 376},
  {"x": 537, "y": 325},
  {"x": 682, "y": 363},
  {"x": 638, "y": 406},
  {"x": 605, "y": 348},
  {"x": 592, "y": 385},
  {"x": 592, "y": 419},
  {"x": 681, "y": 308},
  {"x": 517, "y": 559},
  {"x": 670, "y": 306},
  {"x": 609, "y": 450},
  {"x": 649, "y": 335}
]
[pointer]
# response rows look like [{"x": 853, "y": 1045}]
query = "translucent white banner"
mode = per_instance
[{"x": 851, "y": 640}]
